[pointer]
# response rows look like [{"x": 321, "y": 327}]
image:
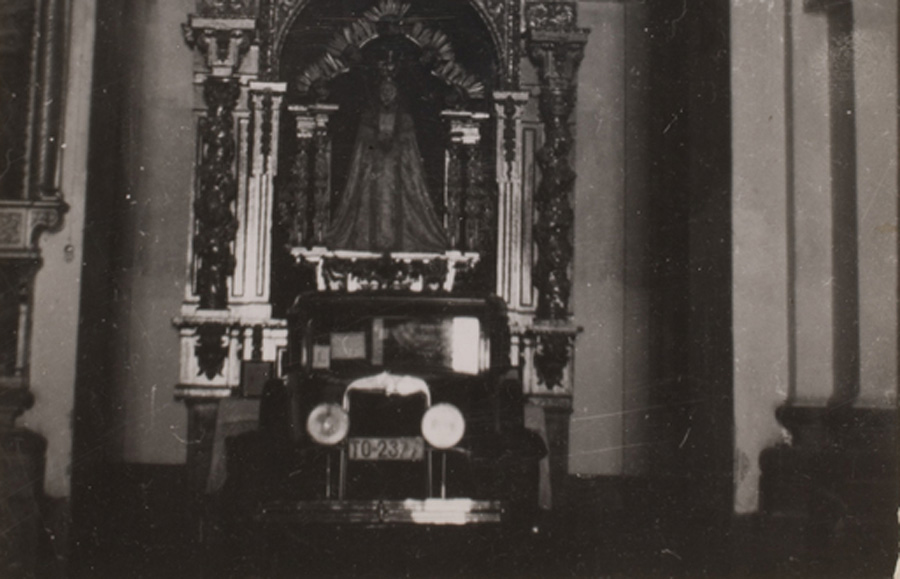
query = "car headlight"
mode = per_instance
[
  {"x": 443, "y": 425},
  {"x": 328, "y": 424}
]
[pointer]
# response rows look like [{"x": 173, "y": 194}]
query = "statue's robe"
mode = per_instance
[{"x": 385, "y": 205}]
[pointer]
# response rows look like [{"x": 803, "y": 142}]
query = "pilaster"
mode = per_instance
[
  {"x": 227, "y": 305},
  {"x": 304, "y": 206},
  {"x": 555, "y": 46},
  {"x": 513, "y": 272},
  {"x": 34, "y": 205}
]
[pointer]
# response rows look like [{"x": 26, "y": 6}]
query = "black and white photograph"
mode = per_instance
[{"x": 449, "y": 288}]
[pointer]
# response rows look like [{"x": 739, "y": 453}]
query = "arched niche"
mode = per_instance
[
  {"x": 265, "y": 162},
  {"x": 451, "y": 66},
  {"x": 312, "y": 22}
]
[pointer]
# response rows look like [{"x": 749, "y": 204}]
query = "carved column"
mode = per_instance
[
  {"x": 250, "y": 289},
  {"x": 322, "y": 173},
  {"x": 306, "y": 202},
  {"x": 216, "y": 224},
  {"x": 453, "y": 191},
  {"x": 223, "y": 42},
  {"x": 469, "y": 207},
  {"x": 509, "y": 107},
  {"x": 294, "y": 211},
  {"x": 556, "y": 47},
  {"x": 479, "y": 205},
  {"x": 208, "y": 353}
]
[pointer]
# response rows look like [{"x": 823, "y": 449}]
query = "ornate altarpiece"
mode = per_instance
[
  {"x": 32, "y": 51},
  {"x": 269, "y": 96}
]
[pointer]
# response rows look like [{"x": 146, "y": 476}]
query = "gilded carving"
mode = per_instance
[
  {"x": 266, "y": 129},
  {"x": 11, "y": 224},
  {"x": 496, "y": 10},
  {"x": 557, "y": 61},
  {"x": 513, "y": 33},
  {"x": 384, "y": 274},
  {"x": 455, "y": 187},
  {"x": 211, "y": 349},
  {"x": 321, "y": 182},
  {"x": 227, "y": 8},
  {"x": 478, "y": 209},
  {"x": 224, "y": 48},
  {"x": 552, "y": 353},
  {"x": 388, "y": 18},
  {"x": 510, "y": 111},
  {"x": 293, "y": 200},
  {"x": 216, "y": 224},
  {"x": 556, "y": 47},
  {"x": 550, "y": 15}
]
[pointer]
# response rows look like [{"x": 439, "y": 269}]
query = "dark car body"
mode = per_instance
[{"x": 382, "y": 362}]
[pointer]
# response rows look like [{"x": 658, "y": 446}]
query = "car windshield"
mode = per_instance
[{"x": 448, "y": 343}]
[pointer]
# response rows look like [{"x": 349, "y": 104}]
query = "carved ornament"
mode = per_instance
[
  {"x": 293, "y": 196},
  {"x": 554, "y": 346},
  {"x": 388, "y": 18},
  {"x": 356, "y": 271},
  {"x": 304, "y": 200},
  {"x": 265, "y": 104},
  {"x": 223, "y": 41},
  {"x": 266, "y": 129},
  {"x": 216, "y": 224},
  {"x": 23, "y": 222},
  {"x": 211, "y": 349},
  {"x": 556, "y": 48},
  {"x": 509, "y": 106},
  {"x": 551, "y": 15},
  {"x": 505, "y": 19},
  {"x": 557, "y": 56},
  {"x": 227, "y": 8},
  {"x": 278, "y": 15}
]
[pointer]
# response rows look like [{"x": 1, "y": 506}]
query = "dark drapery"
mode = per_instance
[{"x": 385, "y": 205}]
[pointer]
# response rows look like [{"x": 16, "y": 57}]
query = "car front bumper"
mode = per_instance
[{"x": 404, "y": 512}]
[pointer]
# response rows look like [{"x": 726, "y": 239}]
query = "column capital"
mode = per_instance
[
  {"x": 227, "y": 8},
  {"x": 555, "y": 43},
  {"x": 557, "y": 55},
  {"x": 510, "y": 104},
  {"x": 260, "y": 88},
  {"x": 551, "y": 15},
  {"x": 22, "y": 223},
  {"x": 308, "y": 118},
  {"x": 223, "y": 41},
  {"x": 465, "y": 126}
]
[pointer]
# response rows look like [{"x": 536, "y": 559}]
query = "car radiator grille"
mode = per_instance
[{"x": 374, "y": 415}]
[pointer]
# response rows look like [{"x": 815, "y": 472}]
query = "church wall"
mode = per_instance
[
  {"x": 143, "y": 173},
  {"x": 652, "y": 251},
  {"x": 760, "y": 269},
  {"x": 57, "y": 290},
  {"x": 876, "y": 113},
  {"x": 812, "y": 205},
  {"x": 638, "y": 227},
  {"x": 158, "y": 156},
  {"x": 815, "y": 214},
  {"x": 656, "y": 234},
  {"x": 598, "y": 294}
]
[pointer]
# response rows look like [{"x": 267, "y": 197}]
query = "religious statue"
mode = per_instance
[{"x": 385, "y": 205}]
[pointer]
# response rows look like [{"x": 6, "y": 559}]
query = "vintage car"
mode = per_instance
[{"x": 395, "y": 410}]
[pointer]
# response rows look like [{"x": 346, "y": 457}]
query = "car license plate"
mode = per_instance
[{"x": 402, "y": 448}]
